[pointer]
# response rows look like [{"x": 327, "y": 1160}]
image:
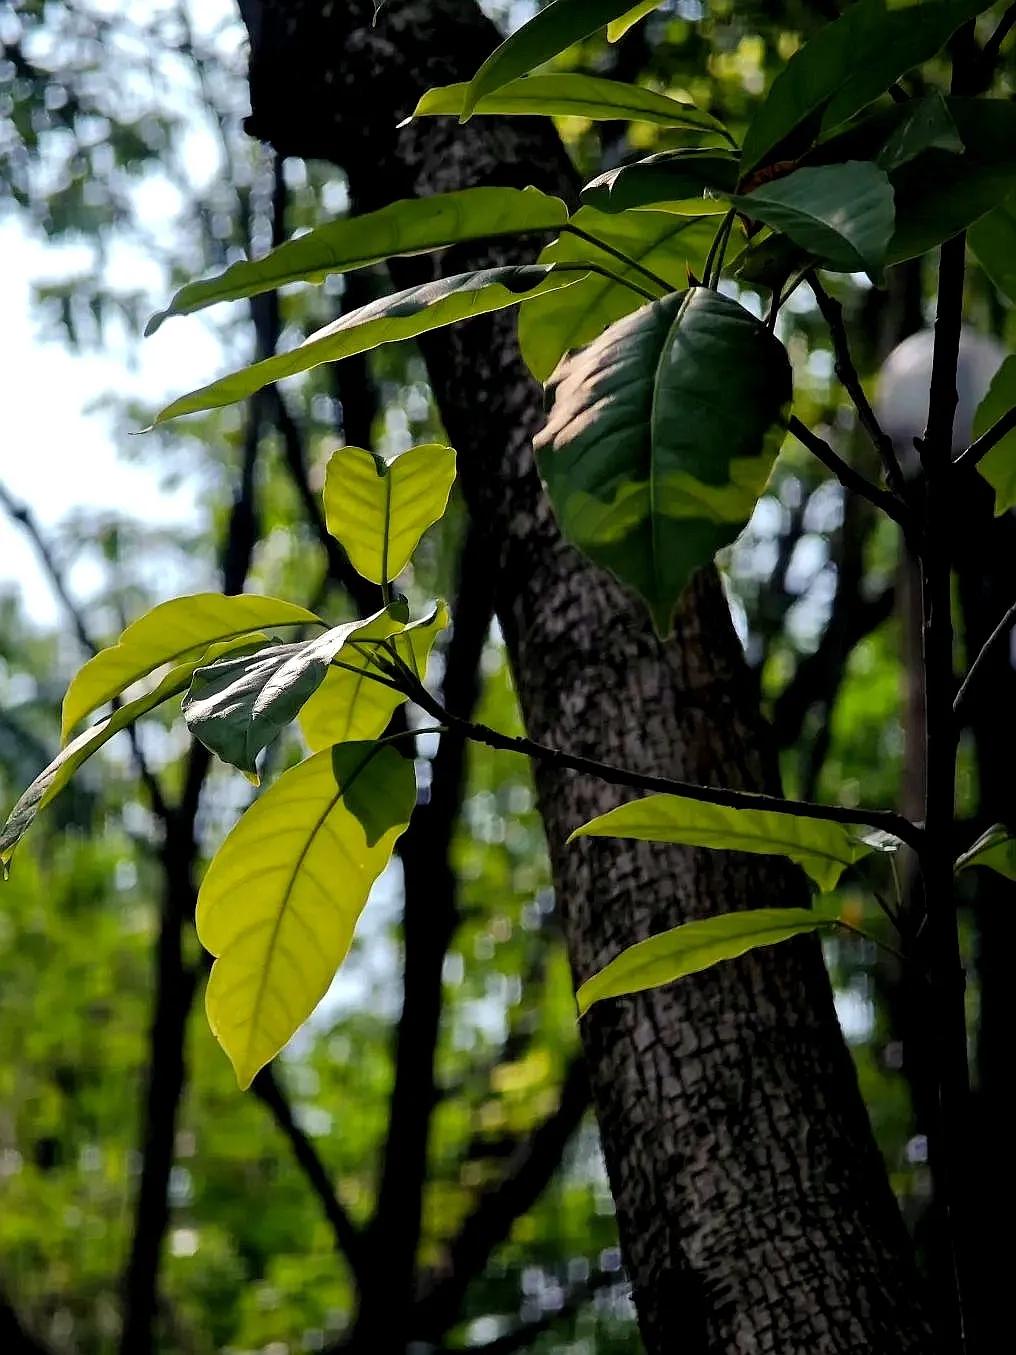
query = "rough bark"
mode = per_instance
[{"x": 754, "y": 1211}]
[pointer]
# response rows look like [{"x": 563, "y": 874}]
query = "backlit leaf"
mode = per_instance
[
  {"x": 686, "y": 180},
  {"x": 999, "y": 466},
  {"x": 282, "y": 896},
  {"x": 995, "y": 849},
  {"x": 993, "y": 241},
  {"x": 617, "y": 28}
]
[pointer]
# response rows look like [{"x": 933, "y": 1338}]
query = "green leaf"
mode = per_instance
[
  {"x": 823, "y": 850},
  {"x": 378, "y": 508},
  {"x": 993, "y": 241},
  {"x": 50, "y": 782},
  {"x": 928, "y": 124},
  {"x": 565, "y": 94},
  {"x": 350, "y": 706},
  {"x": 842, "y": 214},
  {"x": 237, "y": 705},
  {"x": 403, "y": 315},
  {"x": 847, "y": 65},
  {"x": 999, "y": 466},
  {"x": 617, "y": 28},
  {"x": 671, "y": 180},
  {"x": 661, "y": 437},
  {"x": 671, "y": 247},
  {"x": 170, "y": 633},
  {"x": 994, "y": 849},
  {"x": 695, "y": 946},
  {"x": 411, "y": 226},
  {"x": 549, "y": 32},
  {"x": 282, "y": 896}
]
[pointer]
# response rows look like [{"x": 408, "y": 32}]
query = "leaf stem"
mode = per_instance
[
  {"x": 995, "y": 638},
  {"x": 586, "y": 267},
  {"x": 990, "y": 438},
  {"x": 847, "y": 476},
  {"x": 717, "y": 250},
  {"x": 619, "y": 255}
]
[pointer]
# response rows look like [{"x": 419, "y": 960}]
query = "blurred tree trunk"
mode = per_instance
[{"x": 754, "y": 1211}]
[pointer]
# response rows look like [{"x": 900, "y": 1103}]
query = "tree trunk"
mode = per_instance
[{"x": 754, "y": 1211}]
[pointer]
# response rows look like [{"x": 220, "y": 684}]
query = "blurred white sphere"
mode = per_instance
[{"x": 901, "y": 398}]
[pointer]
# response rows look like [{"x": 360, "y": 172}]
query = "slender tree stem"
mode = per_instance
[
  {"x": 619, "y": 255},
  {"x": 586, "y": 267},
  {"x": 995, "y": 638},
  {"x": 714, "y": 259},
  {"x": 990, "y": 438},
  {"x": 846, "y": 371},
  {"x": 847, "y": 476}
]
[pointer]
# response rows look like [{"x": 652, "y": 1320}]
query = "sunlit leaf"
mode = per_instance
[
  {"x": 350, "y": 705},
  {"x": 823, "y": 850},
  {"x": 695, "y": 946},
  {"x": 993, "y": 241},
  {"x": 999, "y": 466},
  {"x": 844, "y": 67},
  {"x": 410, "y": 226},
  {"x": 661, "y": 437},
  {"x": 237, "y": 705},
  {"x": 51, "y": 781},
  {"x": 403, "y": 315},
  {"x": 670, "y": 247},
  {"x": 617, "y": 28},
  {"x": 841, "y": 214},
  {"x": 567, "y": 94},
  {"x": 994, "y": 849},
  {"x": 378, "y": 508},
  {"x": 170, "y": 633},
  {"x": 282, "y": 896}
]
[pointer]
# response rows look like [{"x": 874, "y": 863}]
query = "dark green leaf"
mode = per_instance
[
  {"x": 846, "y": 66},
  {"x": 841, "y": 214},
  {"x": 670, "y": 246},
  {"x": 566, "y": 94},
  {"x": 695, "y": 946},
  {"x": 403, "y": 315},
  {"x": 993, "y": 241},
  {"x": 672, "y": 177},
  {"x": 662, "y": 435},
  {"x": 412, "y": 226},
  {"x": 928, "y": 124}
]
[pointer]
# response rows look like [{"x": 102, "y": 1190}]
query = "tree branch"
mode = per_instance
[
  {"x": 995, "y": 638},
  {"x": 847, "y": 476},
  {"x": 990, "y": 438}
]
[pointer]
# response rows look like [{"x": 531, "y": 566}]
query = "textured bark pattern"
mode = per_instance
[{"x": 754, "y": 1210}]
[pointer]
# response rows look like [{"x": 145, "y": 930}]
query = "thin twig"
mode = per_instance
[
  {"x": 990, "y": 438},
  {"x": 846, "y": 372},
  {"x": 847, "y": 476},
  {"x": 995, "y": 638},
  {"x": 618, "y": 254}
]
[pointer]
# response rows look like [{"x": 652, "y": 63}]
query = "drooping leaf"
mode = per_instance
[
  {"x": 566, "y": 94},
  {"x": 51, "y": 781},
  {"x": 410, "y": 226},
  {"x": 170, "y": 633},
  {"x": 999, "y": 466},
  {"x": 994, "y": 849},
  {"x": 687, "y": 181},
  {"x": 617, "y": 28},
  {"x": 550, "y": 31},
  {"x": 823, "y": 850},
  {"x": 282, "y": 896},
  {"x": 349, "y": 706},
  {"x": 846, "y": 65},
  {"x": 695, "y": 946},
  {"x": 841, "y": 214},
  {"x": 928, "y": 124},
  {"x": 403, "y": 315},
  {"x": 661, "y": 437},
  {"x": 237, "y": 705},
  {"x": 993, "y": 241},
  {"x": 377, "y": 508},
  {"x": 670, "y": 247}
]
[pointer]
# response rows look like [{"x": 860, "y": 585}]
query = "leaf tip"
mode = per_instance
[{"x": 155, "y": 322}]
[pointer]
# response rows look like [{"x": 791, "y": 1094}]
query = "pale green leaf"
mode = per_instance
[
  {"x": 410, "y": 226},
  {"x": 823, "y": 850},
  {"x": 999, "y": 466},
  {"x": 617, "y": 28},
  {"x": 403, "y": 315},
  {"x": 671, "y": 247},
  {"x": 994, "y": 849},
  {"x": 696, "y": 946},
  {"x": 378, "y": 508},
  {"x": 841, "y": 214},
  {"x": 567, "y": 94},
  {"x": 283, "y": 894},
  {"x": 661, "y": 437},
  {"x": 349, "y": 705},
  {"x": 993, "y": 241},
  {"x": 170, "y": 633}
]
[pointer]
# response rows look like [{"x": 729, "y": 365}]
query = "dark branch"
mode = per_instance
[
  {"x": 987, "y": 649},
  {"x": 990, "y": 438},
  {"x": 847, "y": 476}
]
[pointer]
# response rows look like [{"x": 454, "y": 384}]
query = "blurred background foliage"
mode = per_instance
[{"x": 121, "y": 146}]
